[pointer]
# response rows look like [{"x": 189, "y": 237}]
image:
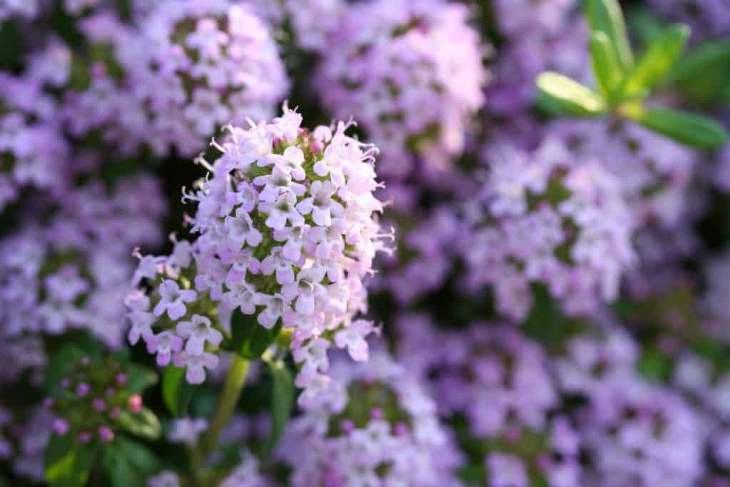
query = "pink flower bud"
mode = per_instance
[{"x": 134, "y": 403}]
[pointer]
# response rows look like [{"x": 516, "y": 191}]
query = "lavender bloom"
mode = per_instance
[
  {"x": 187, "y": 70},
  {"x": 634, "y": 433},
  {"x": 714, "y": 302},
  {"x": 546, "y": 217},
  {"x": 506, "y": 471},
  {"x": 164, "y": 479},
  {"x": 491, "y": 373},
  {"x": 186, "y": 430},
  {"x": 379, "y": 428},
  {"x": 25, "y": 9},
  {"x": 539, "y": 36},
  {"x": 286, "y": 233},
  {"x": 706, "y": 17},
  {"x": 32, "y": 148},
  {"x": 391, "y": 64},
  {"x": 73, "y": 271},
  {"x": 315, "y": 21},
  {"x": 246, "y": 474}
]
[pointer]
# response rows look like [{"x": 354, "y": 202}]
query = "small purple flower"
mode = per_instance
[
  {"x": 196, "y": 365},
  {"x": 60, "y": 426},
  {"x": 198, "y": 331},
  {"x": 165, "y": 345},
  {"x": 173, "y": 299},
  {"x": 106, "y": 434}
]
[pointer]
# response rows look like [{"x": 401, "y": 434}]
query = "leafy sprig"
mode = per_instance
[{"x": 625, "y": 82}]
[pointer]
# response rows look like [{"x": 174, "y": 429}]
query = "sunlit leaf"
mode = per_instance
[
  {"x": 560, "y": 94},
  {"x": 659, "y": 58},
  {"x": 687, "y": 128},
  {"x": 605, "y": 16}
]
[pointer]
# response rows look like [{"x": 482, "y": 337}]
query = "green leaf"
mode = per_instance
[
  {"x": 605, "y": 16},
  {"x": 282, "y": 400},
  {"x": 659, "y": 58},
  {"x": 644, "y": 25},
  {"x": 605, "y": 66},
  {"x": 129, "y": 463},
  {"x": 684, "y": 127},
  {"x": 560, "y": 94},
  {"x": 143, "y": 424},
  {"x": 249, "y": 338},
  {"x": 709, "y": 55},
  {"x": 68, "y": 463},
  {"x": 140, "y": 378},
  {"x": 176, "y": 392},
  {"x": 67, "y": 356},
  {"x": 702, "y": 73}
]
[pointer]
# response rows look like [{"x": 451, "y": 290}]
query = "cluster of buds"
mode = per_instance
[{"x": 95, "y": 399}]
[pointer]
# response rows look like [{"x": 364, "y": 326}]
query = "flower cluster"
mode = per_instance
[
  {"x": 545, "y": 217},
  {"x": 33, "y": 152},
  {"x": 707, "y": 17},
  {"x": 73, "y": 270},
  {"x": 486, "y": 364},
  {"x": 708, "y": 390},
  {"x": 634, "y": 432},
  {"x": 392, "y": 66},
  {"x": 378, "y": 428},
  {"x": 170, "y": 82},
  {"x": 95, "y": 399},
  {"x": 285, "y": 233},
  {"x": 538, "y": 35},
  {"x": 26, "y": 9}
]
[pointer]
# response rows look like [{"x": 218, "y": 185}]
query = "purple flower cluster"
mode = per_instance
[
  {"x": 636, "y": 433},
  {"x": 395, "y": 71},
  {"x": 73, "y": 270},
  {"x": 33, "y": 152},
  {"x": 708, "y": 18},
  {"x": 549, "y": 218},
  {"x": 377, "y": 428},
  {"x": 186, "y": 70},
  {"x": 552, "y": 297},
  {"x": 485, "y": 364},
  {"x": 285, "y": 232}
]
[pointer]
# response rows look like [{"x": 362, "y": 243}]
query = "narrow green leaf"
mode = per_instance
[
  {"x": 249, "y": 338},
  {"x": 709, "y": 55},
  {"x": 129, "y": 463},
  {"x": 68, "y": 463},
  {"x": 684, "y": 127},
  {"x": 659, "y": 58},
  {"x": 140, "y": 378},
  {"x": 605, "y": 16},
  {"x": 702, "y": 73},
  {"x": 143, "y": 424},
  {"x": 176, "y": 392},
  {"x": 644, "y": 25},
  {"x": 605, "y": 66},
  {"x": 282, "y": 400},
  {"x": 563, "y": 95}
]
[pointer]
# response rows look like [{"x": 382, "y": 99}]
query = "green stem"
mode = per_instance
[{"x": 227, "y": 403}]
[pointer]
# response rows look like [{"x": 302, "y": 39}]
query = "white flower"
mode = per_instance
[{"x": 197, "y": 331}]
